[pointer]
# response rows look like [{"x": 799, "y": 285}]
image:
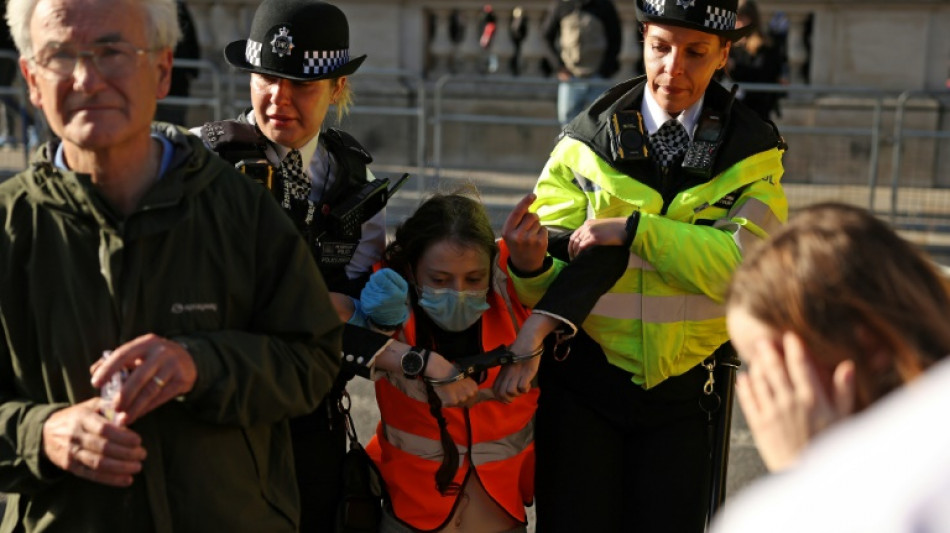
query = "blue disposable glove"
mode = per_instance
[{"x": 384, "y": 299}]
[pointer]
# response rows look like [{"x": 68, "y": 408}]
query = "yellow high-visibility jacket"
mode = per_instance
[{"x": 665, "y": 315}]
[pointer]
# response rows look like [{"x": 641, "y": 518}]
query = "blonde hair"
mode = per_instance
[{"x": 344, "y": 101}]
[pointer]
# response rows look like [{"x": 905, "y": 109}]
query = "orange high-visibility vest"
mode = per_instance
[{"x": 495, "y": 440}]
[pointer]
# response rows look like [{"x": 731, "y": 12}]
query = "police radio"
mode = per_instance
[
  {"x": 348, "y": 217},
  {"x": 626, "y": 136},
  {"x": 701, "y": 153}
]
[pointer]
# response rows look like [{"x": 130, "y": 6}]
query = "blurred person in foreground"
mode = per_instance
[
  {"x": 670, "y": 181},
  {"x": 832, "y": 314},
  {"x": 131, "y": 252},
  {"x": 298, "y": 56},
  {"x": 839, "y": 318}
]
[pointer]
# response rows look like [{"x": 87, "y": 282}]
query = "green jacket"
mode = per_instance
[
  {"x": 209, "y": 259},
  {"x": 665, "y": 314}
]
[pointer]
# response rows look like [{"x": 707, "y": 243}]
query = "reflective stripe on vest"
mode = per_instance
[
  {"x": 658, "y": 309},
  {"x": 482, "y": 452},
  {"x": 407, "y": 448},
  {"x": 651, "y": 324}
]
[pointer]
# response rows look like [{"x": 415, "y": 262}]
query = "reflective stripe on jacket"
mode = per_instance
[
  {"x": 665, "y": 314},
  {"x": 495, "y": 440}
]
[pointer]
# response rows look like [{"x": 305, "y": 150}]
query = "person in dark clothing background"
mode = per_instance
[
  {"x": 187, "y": 48},
  {"x": 755, "y": 59},
  {"x": 584, "y": 36}
]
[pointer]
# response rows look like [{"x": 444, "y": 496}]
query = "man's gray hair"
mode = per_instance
[{"x": 161, "y": 22}]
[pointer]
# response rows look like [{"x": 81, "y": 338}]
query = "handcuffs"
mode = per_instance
[{"x": 477, "y": 366}]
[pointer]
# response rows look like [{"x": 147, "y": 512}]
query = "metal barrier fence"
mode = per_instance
[
  {"x": 838, "y": 142},
  {"x": 16, "y": 103},
  {"x": 214, "y": 100}
]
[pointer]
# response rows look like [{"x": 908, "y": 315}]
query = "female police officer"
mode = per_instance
[{"x": 672, "y": 172}]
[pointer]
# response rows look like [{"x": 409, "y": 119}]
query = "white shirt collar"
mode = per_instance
[
  {"x": 306, "y": 151},
  {"x": 654, "y": 116}
]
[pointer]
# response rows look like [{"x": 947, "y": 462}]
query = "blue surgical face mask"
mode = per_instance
[{"x": 453, "y": 310}]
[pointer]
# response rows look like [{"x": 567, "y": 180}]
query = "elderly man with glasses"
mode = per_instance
[{"x": 136, "y": 261}]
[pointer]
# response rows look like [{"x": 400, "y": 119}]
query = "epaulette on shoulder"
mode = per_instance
[
  {"x": 344, "y": 141},
  {"x": 233, "y": 140}
]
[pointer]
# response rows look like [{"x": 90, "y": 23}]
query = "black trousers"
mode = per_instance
[
  {"x": 613, "y": 457},
  {"x": 319, "y": 443}
]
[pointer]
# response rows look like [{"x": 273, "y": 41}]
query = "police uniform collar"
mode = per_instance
[
  {"x": 654, "y": 116},
  {"x": 306, "y": 151}
]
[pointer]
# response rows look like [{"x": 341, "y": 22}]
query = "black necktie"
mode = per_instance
[
  {"x": 295, "y": 179},
  {"x": 669, "y": 143}
]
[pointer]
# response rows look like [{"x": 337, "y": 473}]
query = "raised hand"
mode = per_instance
[
  {"x": 526, "y": 238},
  {"x": 785, "y": 403},
  {"x": 384, "y": 298}
]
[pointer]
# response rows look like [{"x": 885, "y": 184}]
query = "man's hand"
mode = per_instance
[
  {"x": 785, "y": 403},
  {"x": 159, "y": 370},
  {"x": 526, "y": 238},
  {"x": 598, "y": 232},
  {"x": 81, "y": 441}
]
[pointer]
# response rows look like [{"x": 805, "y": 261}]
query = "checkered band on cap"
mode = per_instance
[
  {"x": 324, "y": 61},
  {"x": 252, "y": 52},
  {"x": 654, "y": 7},
  {"x": 718, "y": 18}
]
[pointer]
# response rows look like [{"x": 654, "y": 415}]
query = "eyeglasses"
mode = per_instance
[{"x": 112, "y": 60}]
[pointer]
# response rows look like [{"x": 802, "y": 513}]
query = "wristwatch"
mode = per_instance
[{"x": 414, "y": 362}]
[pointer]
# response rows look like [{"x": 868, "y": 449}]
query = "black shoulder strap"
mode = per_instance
[
  {"x": 346, "y": 147},
  {"x": 352, "y": 158},
  {"x": 234, "y": 140}
]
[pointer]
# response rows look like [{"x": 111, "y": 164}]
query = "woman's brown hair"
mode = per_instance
[{"x": 851, "y": 288}]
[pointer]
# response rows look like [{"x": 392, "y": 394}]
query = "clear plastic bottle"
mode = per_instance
[{"x": 111, "y": 389}]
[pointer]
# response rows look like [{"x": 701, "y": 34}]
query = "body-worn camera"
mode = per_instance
[
  {"x": 260, "y": 170},
  {"x": 627, "y": 136}
]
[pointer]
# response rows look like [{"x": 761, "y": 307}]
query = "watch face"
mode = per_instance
[{"x": 412, "y": 363}]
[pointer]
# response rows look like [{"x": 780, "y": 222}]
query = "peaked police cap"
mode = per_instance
[
  {"x": 717, "y": 17},
  {"x": 300, "y": 40}
]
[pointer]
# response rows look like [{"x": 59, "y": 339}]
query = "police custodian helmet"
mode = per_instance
[
  {"x": 717, "y": 17},
  {"x": 301, "y": 40}
]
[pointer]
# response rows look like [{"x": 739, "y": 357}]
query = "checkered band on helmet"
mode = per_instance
[
  {"x": 324, "y": 61},
  {"x": 252, "y": 52},
  {"x": 720, "y": 19},
  {"x": 654, "y": 7}
]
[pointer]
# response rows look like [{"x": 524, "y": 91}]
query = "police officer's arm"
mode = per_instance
[
  {"x": 701, "y": 257},
  {"x": 371, "y": 351}
]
